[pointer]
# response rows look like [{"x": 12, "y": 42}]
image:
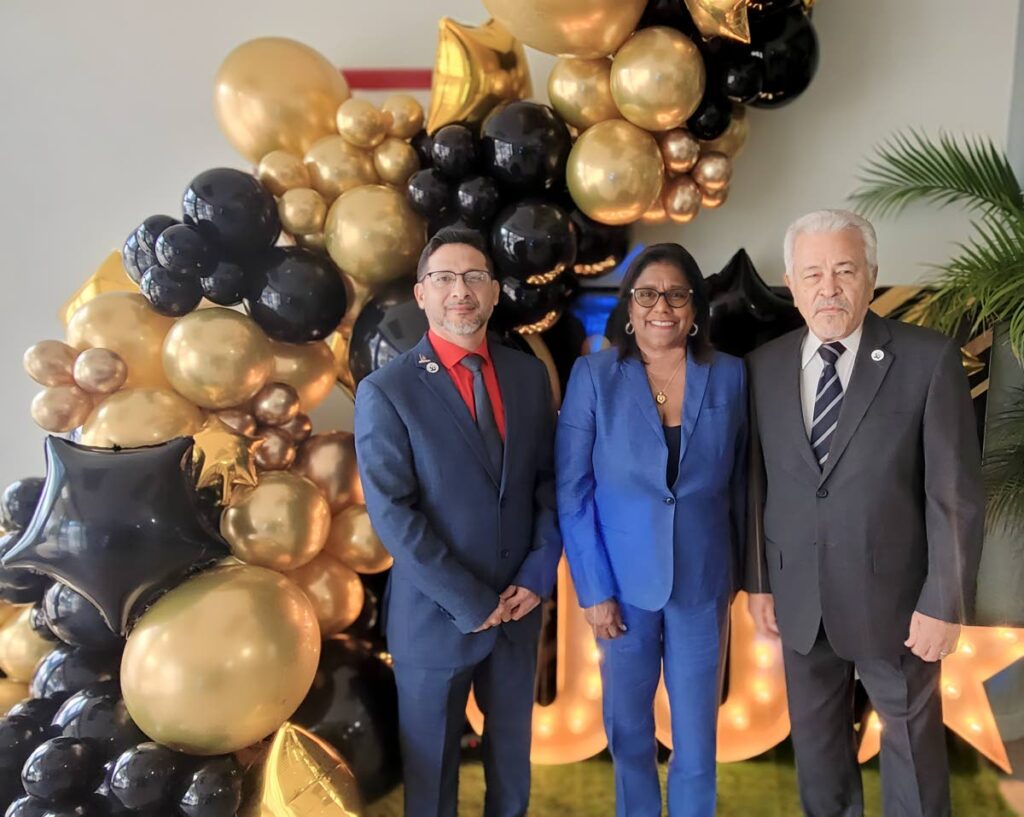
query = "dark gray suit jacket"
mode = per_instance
[{"x": 894, "y": 521}]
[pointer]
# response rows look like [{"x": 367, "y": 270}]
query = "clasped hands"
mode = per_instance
[{"x": 513, "y": 603}]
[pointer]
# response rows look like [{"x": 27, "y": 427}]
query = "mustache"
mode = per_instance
[
  {"x": 454, "y": 302},
  {"x": 832, "y": 303}
]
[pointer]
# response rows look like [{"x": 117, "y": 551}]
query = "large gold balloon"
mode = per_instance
[
  {"x": 50, "y": 363},
  {"x": 329, "y": 460},
  {"x": 735, "y": 137},
  {"x": 273, "y": 93},
  {"x": 580, "y": 91},
  {"x": 615, "y": 172},
  {"x": 282, "y": 523},
  {"x": 395, "y": 160},
  {"x": 333, "y": 589},
  {"x": 679, "y": 150},
  {"x": 682, "y": 199},
  {"x": 302, "y": 211},
  {"x": 353, "y": 541},
  {"x": 309, "y": 368},
  {"x": 475, "y": 69},
  {"x": 21, "y": 647},
  {"x": 336, "y": 166},
  {"x": 217, "y": 357},
  {"x": 221, "y": 661},
  {"x": 110, "y": 276},
  {"x": 11, "y": 694},
  {"x": 100, "y": 371},
  {"x": 362, "y": 123},
  {"x": 721, "y": 18},
  {"x": 406, "y": 115},
  {"x": 280, "y": 171},
  {"x": 573, "y": 28},
  {"x": 373, "y": 234},
  {"x": 58, "y": 409},
  {"x": 657, "y": 78},
  {"x": 124, "y": 323},
  {"x": 137, "y": 417}
]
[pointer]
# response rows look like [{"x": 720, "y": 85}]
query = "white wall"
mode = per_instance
[{"x": 107, "y": 114}]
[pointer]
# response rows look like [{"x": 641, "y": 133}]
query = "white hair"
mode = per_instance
[{"x": 832, "y": 221}]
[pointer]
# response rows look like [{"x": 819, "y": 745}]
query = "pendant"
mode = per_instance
[{"x": 660, "y": 398}]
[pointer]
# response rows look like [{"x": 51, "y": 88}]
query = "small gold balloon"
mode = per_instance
[
  {"x": 353, "y": 541},
  {"x": 100, "y": 371},
  {"x": 21, "y": 647},
  {"x": 275, "y": 404},
  {"x": 239, "y": 421},
  {"x": 11, "y": 694},
  {"x": 280, "y": 171},
  {"x": 580, "y": 91},
  {"x": 735, "y": 137},
  {"x": 714, "y": 198},
  {"x": 282, "y": 523},
  {"x": 217, "y": 357},
  {"x": 276, "y": 451},
  {"x": 50, "y": 363},
  {"x": 682, "y": 198},
  {"x": 137, "y": 417},
  {"x": 298, "y": 428},
  {"x": 395, "y": 160},
  {"x": 329, "y": 460},
  {"x": 302, "y": 211},
  {"x": 655, "y": 214},
  {"x": 615, "y": 172},
  {"x": 361, "y": 123},
  {"x": 713, "y": 172},
  {"x": 58, "y": 409},
  {"x": 333, "y": 589},
  {"x": 221, "y": 661},
  {"x": 679, "y": 150},
  {"x": 578, "y": 28},
  {"x": 309, "y": 368},
  {"x": 373, "y": 234},
  {"x": 336, "y": 166},
  {"x": 657, "y": 78},
  {"x": 406, "y": 115}
]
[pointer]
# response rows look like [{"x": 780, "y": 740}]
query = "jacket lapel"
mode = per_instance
[
  {"x": 693, "y": 398},
  {"x": 789, "y": 386},
  {"x": 640, "y": 389},
  {"x": 504, "y": 368}
]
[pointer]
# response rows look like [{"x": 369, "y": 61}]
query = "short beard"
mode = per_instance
[{"x": 468, "y": 327}]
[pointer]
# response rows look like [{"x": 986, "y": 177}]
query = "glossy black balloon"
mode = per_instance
[
  {"x": 27, "y": 806},
  {"x": 711, "y": 118},
  {"x": 428, "y": 192},
  {"x": 184, "y": 249},
  {"x": 19, "y": 736},
  {"x": 525, "y": 147},
  {"x": 532, "y": 238},
  {"x": 454, "y": 151},
  {"x": 476, "y": 200},
  {"x": 599, "y": 247},
  {"x": 40, "y": 710},
  {"x": 353, "y": 705},
  {"x": 143, "y": 776},
  {"x": 73, "y": 619},
  {"x": 234, "y": 205},
  {"x": 130, "y": 260},
  {"x": 296, "y": 295},
  {"x": 66, "y": 670},
  {"x": 37, "y": 621},
  {"x": 119, "y": 526},
  {"x": 61, "y": 768},
  {"x": 171, "y": 293},
  {"x": 741, "y": 79},
  {"x": 423, "y": 144},
  {"x": 227, "y": 283},
  {"x": 19, "y": 502},
  {"x": 759, "y": 9},
  {"x": 522, "y": 304},
  {"x": 214, "y": 789},
  {"x": 787, "y": 46},
  {"x": 671, "y": 13},
  {"x": 98, "y": 715},
  {"x": 144, "y": 245},
  {"x": 389, "y": 324}
]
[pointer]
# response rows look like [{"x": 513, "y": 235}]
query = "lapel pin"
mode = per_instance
[
  {"x": 432, "y": 367},
  {"x": 877, "y": 355}
]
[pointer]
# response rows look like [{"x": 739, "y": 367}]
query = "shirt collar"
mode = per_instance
[
  {"x": 812, "y": 343},
  {"x": 451, "y": 355}
]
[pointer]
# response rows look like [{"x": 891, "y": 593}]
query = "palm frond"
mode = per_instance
[{"x": 1004, "y": 467}]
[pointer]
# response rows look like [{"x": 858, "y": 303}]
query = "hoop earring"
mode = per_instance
[
  {"x": 693, "y": 331},
  {"x": 629, "y": 327}
]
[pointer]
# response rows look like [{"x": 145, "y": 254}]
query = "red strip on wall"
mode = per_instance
[{"x": 383, "y": 79}]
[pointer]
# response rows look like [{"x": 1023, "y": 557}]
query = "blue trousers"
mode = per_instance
[{"x": 689, "y": 641}]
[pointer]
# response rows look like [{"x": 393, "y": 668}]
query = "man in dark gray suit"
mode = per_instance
[{"x": 866, "y": 521}]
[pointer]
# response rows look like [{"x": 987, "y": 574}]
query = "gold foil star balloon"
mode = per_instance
[
  {"x": 721, "y": 18},
  {"x": 224, "y": 459},
  {"x": 109, "y": 277},
  {"x": 569, "y": 28},
  {"x": 475, "y": 68}
]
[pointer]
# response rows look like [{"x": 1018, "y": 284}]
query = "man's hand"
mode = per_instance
[
  {"x": 605, "y": 619},
  {"x": 518, "y": 602},
  {"x": 762, "y": 608},
  {"x": 499, "y": 615},
  {"x": 931, "y": 639}
]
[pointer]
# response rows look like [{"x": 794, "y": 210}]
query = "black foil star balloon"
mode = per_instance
[{"x": 117, "y": 526}]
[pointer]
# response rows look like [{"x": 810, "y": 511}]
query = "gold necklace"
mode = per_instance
[{"x": 660, "y": 397}]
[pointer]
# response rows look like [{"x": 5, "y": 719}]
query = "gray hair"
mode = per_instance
[{"x": 832, "y": 221}]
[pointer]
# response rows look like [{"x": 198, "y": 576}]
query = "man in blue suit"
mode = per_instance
[{"x": 454, "y": 441}]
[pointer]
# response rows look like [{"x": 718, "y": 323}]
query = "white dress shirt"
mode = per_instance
[{"x": 812, "y": 364}]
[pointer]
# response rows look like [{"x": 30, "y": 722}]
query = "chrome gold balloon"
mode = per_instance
[
  {"x": 336, "y": 166},
  {"x": 298, "y": 428},
  {"x": 100, "y": 371},
  {"x": 50, "y": 363},
  {"x": 580, "y": 91},
  {"x": 714, "y": 198},
  {"x": 275, "y": 404},
  {"x": 713, "y": 172},
  {"x": 302, "y": 211},
  {"x": 576, "y": 28},
  {"x": 135, "y": 417},
  {"x": 329, "y": 460},
  {"x": 362, "y": 123},
  {"x": 276, "y": 451},
  {"x": 353, "y": 541},
  {"x": 679, "y": 150},
  {"x": 280, "y": 171},
  {"x": 682, "y": 199},
  {"x": 656, "y": 213},
  {"x": 21, "y": 647},
  {"x": 239, "y": 421},
  {"x": 59, "y": 409},
  {"x": 309, "y": 368},
  {"x": 395, "y": 160},
  {"x": 333, "y": 589},
  {"x": 406, "y": 115}
]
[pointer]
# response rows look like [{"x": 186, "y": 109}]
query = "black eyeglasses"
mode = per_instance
[
  {"x": 445, "y": 279},
  {"x": 647, "y": 297}
]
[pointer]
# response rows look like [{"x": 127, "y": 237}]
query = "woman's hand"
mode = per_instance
[{"x": 605, "y": 618}]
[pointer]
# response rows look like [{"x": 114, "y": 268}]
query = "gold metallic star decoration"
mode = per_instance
[
  {"x": 109, "y": 277},
  {"x": 224, "y": 459},
  {"x": 721, "y": 18},
  {"x": 981, "y": 653}
]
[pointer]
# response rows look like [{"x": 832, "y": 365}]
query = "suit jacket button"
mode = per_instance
[
  {"x": 822, "y": 493},
  {"x": 670, "y": 500},
  {"x": 504, "y": 554}
]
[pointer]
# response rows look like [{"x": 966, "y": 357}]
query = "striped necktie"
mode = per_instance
[{"x": 828, "y": 401}]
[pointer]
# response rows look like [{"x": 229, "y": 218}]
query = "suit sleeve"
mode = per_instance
[
  {"x": 755, "y": 568},
  {"x": 575, "y": 484},
  {"x": 954, "y": 493},
  {"x": 539, "y": 568},
  {"x": 738, "y": 481},
  {"x": 391, "y": 489}
]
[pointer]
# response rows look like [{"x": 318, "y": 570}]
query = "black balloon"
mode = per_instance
[
  {"x": 214, "y": 789},
  {"x": 19, "y": 736},
  {"x": 66, "y": 670},
  {"x": 61, "y": 768},
  {"x": 671, "y": 13},
  {"x": 454, "y": 151},
  {"x": 139, "y": 252},
  {"x": 533, "y": 238},
  {"x": 599, "y": 247},
  {"x": 711, "y": 118},
  {"x": 37, "y": 621},
  {"x": 27, "y": 807},
  {"x": 389, "y": 324},
  {"x": 235, "y": 207},
  {"x": 741, "y": 78},
  {"x": 143, "y": 776},
  {"x": 525, "y": 147},
  {"x": 428, "y": 192},
  {"x": 476, "y": 200},
  {"x": 367, "y": 625},
  {"x": 19, "y": 502},
  {"x": 171, "y": 293},
  {"x": 787, "y": 46},
  {"x": 98, "y": 715},
  {"x": 183, "y": 248},
  {"x": 423, "y": 144},
  {"x": 522, "y": 304},
  {"x": 40, "y": 710},
  {"x": 353, "y": 705},
  {"x": 226, "y": 284},
  {"x": 73, "y": 620},
  {"x": 119, "y": 526},
  {"x": 296, "y": 295}
]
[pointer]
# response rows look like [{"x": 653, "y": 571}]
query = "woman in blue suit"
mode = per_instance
[{"x": 651, "y": 478}]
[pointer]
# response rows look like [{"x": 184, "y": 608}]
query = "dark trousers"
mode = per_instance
[{"x": 904, "y": 691}]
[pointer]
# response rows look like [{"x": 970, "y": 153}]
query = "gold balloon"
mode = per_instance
[
  {"x": 373, "y": 235},
  {"x": 573, "y": 28},
  {"x": 239, "y": 421},
  {"x": 11, "y": 694},
  {"x": 298, "y": 428},
  {"x": 336, "y": 166},
  {"x": 8, "y": 611},
  {"x": 280, "y": 171},
  {"x": 395, "y": 160},
  {"x": 302, "y": 210},
  {"x": 217, "y": 357},
  {"x": 406, "y": 115},
  {"x": 300, "y": 776},
  {"x": 682, "y": 198},
  {"x": 580, "y": 91},
  {"x": 333, "y": 589},
  {"x": 657, "y": 78},
  {"x": 353, "y": 541},
  {"x": 721, "y": 18},
  {"x": 714, "y": 198},
  {"x": 58, "y": 409},
  {"x": 309, "y": 368},
  {"x": 735, "y": 137},
  {"x": 110, "y": 276},
  {"x": 312, "y": 241},
  {"x": 137, "y": 417},
  {"x": 615, "y": 172},
  {"x": 273, "y": 93},
  {"x": 100, "y": 371},
  {"x": 329, "y": 460},
  {"x": 223, "y": 459},
  {"x": 362, "y": 123},
  {"x": 275, "y": 404},
  {"x": 21, "y": 647},
  {"x": 713, "y": 172},
  {"x": 221, "y": 661},
  {"x": 50, "y": 363},
  {"x": 679, "y": 150},
  {"x": 125, "y": 324},
  {"x": 277, "y": 450},
  {"x": 656, "y": 213},
  {"x": 475, "y": 69},
  {"x": 282, "y": 523}
]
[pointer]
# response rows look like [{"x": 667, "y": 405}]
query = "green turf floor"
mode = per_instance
[{"x": 765, "y": 787}]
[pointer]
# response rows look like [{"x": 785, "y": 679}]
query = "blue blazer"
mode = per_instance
[
  {"x": 624, "y": 529},
  {"x": 459, "y": 531}
]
